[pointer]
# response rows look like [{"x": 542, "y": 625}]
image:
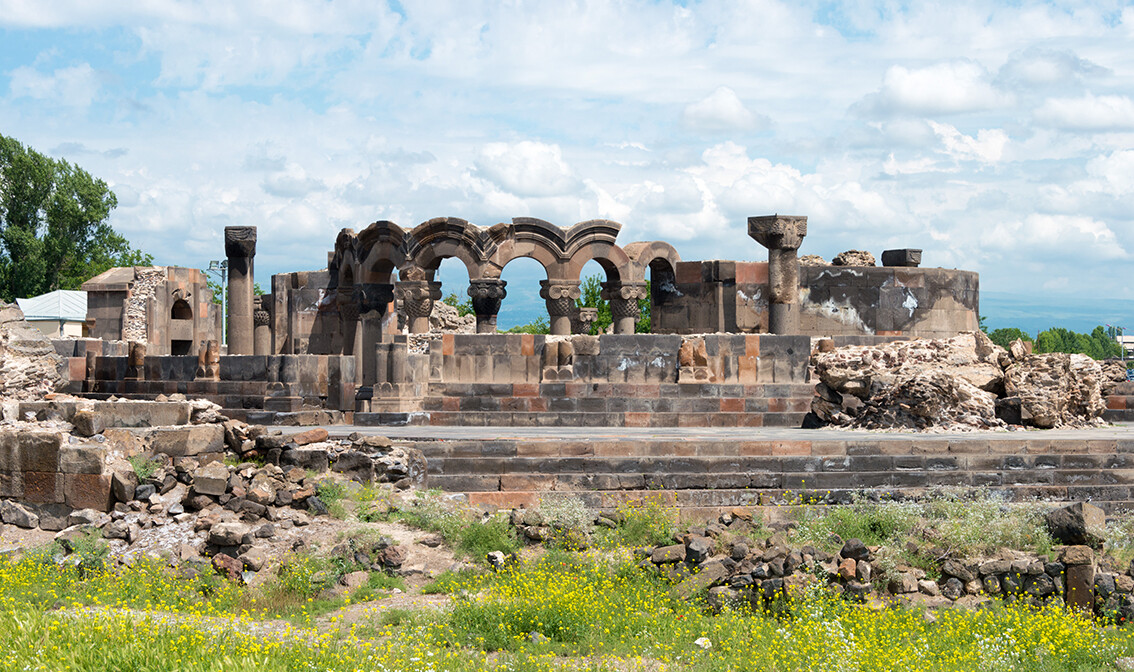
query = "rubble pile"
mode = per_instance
[
  {"x": 854, "y": 258},
  {"x": 964, "y": 382},
  {"x": 446, "y": 318}
]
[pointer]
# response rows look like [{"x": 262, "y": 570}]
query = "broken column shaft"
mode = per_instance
[
  {"x": 240, "y": 248},
  {"x": 782, "y": 235}
]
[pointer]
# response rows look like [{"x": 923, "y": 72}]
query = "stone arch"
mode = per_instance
[
  {"x": 181, "y": 310},
  {"x": 594, "y": 239},
  {"x": 657, "y": 256},
  {"x": 381, "y": 249},
  {"x": 532, "y": 238},
  {"x": 450, "y": 237},
  {"x": 611, "y": 257}
]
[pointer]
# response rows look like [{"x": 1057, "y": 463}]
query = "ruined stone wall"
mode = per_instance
[
  {"x": 168, "y": 308},
  {"x": 135, "y": 310},
  {"x": 42, "y": 467},
  {"x": 914, "y": 302},
  {"x": 732, "y": 296}
]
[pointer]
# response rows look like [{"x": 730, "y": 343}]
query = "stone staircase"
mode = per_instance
[{"x": 701, "y": 475}]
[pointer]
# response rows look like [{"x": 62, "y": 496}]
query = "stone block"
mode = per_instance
[
  {"x": 43, "y": 487},
  {"x": 11, "y": 484},
  {"x": 88, "y": 491},
  {"x": 39, "y": 451},
  {"x": 87, "y": 423},
  {"x": 133, "y": 414},
  {"x": 81, "y": 459},
  {"x": 1080, "y": 580},
  {"x": 187, "y": 441},
  {"x": 9, "y": 451}
]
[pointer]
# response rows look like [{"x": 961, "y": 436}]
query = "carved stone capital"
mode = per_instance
[
  {"x": 261, "y": 317},
  {"x": 624, "y": 297},
  {"x": 486, "y": 295},
  {"x": 583, "y": 319},
  {"x": 778, "y": 232},
  {"x": 417, "y": 296},
  {"x": 240, "y": 241},
  {"x": 559, "y": 297},
  {"x": 348, "y": 311},
  {"x": 373, "y": 297}
]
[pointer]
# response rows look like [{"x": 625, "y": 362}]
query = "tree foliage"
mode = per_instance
[
  {"x": 1004, "y": 336},
  {"x": 53, "y": 230},
  {"x": 1098, "y": 344},
  {"x": 591, "y": 297},
  {"x": 464, "y": 307}
]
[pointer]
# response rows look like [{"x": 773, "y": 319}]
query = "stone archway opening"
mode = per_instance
[
  {"x": 523, "y": 308},
  {"x": 181, "y": 313}
]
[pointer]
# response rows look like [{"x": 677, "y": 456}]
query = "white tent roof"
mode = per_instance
[{"x": 62, "y": 304}]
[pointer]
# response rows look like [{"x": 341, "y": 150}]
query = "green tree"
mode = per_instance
[
  {"x": 1097, "y": 344},
  {"x": 463, "y": 307},
  {"x": 591, "y": 297},
  {"x": 217, "y": 290},
  {"x": 53, "y": 229},
  {"x": 1005, "y": 335},
  {"x": 539, "y": 326}
]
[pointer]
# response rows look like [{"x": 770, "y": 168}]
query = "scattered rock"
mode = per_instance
[
  {"x": 228, "y": 567},
  {"x": 14, "y": 513},
  {"x": 853, "y": 258},
  {"x": 1077, "y": 524}
]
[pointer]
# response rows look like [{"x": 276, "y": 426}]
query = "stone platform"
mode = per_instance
[{"x": 701, "y": 470}]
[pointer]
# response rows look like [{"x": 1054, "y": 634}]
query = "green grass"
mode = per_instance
[
  {"x": 566, "y": 610},
  {"x": 144, "y": 466},
  {"x": 650, "y": 523},
  {"x": 961, "y": 522}
]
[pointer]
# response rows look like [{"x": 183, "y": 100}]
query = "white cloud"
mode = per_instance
[
  {"x": 944, "y": 88},
  {"x": 314, "y": 116},
  {"x": 1038, "y": 66},
  {"x": 526, "y": 168},
  {"x": 722, "y": 110},
  {"x": 986, "y": 147},
  {"x": 1057, "y": 236},
  {"x": 75, "y": 86},
  {"x": 1088, "y": 113}
]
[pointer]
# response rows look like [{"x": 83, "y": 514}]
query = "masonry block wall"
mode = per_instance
[
  {"x": 638, "y": 380},
  {"x": 42, "y": 467},
  {"x": 246, "y": 381}
]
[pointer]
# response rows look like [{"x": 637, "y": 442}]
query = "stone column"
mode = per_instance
[
  {"x": 417, "y": 298},
  {"x": 373, "y": 298},
  {"x": 782, "y": 235},
  {"x": 486, "y": 296},
  {"x": 240, "y": 248},
  {"x": 559, "y": 296},
  {"x": 623, "y": 297},
  {"x": 262, "y": 328},
  {"x": 348, "y": 316}
]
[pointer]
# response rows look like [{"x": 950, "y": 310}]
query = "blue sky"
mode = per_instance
[{"x": 997, "y": 137}]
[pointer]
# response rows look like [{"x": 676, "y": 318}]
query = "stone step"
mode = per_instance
[
  {"x": 1085, "y": 484},
  {"x": 1124, "y": 413},
  {"x": 581, "y": 419},
  {"x": 999, "y": 452}
]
